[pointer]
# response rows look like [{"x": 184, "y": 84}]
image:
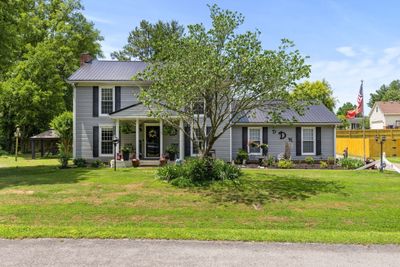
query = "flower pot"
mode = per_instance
[
  {"x": 135, "y": 162},
  {"x": 125, "y": 155}
]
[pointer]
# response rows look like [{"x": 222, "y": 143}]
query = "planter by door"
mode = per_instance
[{"x": 125, "y": 155}]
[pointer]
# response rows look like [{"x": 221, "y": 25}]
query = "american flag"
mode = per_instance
[{"x": 360, "y": 103}]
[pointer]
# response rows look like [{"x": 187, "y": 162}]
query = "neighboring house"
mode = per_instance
[
  {"x": 385, "y": 115},
  {"x": 105, "y": 104}
]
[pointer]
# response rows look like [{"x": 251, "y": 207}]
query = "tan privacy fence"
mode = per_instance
[{"x": 353, "y": 140}]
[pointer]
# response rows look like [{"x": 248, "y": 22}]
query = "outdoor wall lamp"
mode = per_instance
[
  {"x": 381, "y": 140},
  {"x": 115, "y": 143}
]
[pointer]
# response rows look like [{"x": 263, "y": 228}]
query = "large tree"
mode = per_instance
[
  {"x": 145, "y": 42},
  {"x": 320, "y": 91},
  {"x": 33, "y": 90},
  {"x": 210, "y": 79},
  {"x": 344, "y": 108},
  {"x": 389, "y": 92}
]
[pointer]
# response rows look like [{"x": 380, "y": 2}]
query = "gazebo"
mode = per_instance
[{"x": 50, "y": 137}]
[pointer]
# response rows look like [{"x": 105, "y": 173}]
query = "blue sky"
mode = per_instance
[{"x": 346, "y": 40}]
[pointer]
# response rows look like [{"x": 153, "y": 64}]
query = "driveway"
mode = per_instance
[{"x": 96, "y": 252}]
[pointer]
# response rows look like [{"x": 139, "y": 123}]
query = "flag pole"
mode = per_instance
[{"x": 363, "y": 118}]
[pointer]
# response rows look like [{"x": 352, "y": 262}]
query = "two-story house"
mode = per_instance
[
  {"x": 105, "y": 103},
  {"x": 385, "y": 115}
]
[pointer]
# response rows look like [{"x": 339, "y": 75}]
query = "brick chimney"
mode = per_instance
[{"x": 85, "y": 58}]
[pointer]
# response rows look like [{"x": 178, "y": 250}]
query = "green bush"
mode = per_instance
[
  {"x": 285, "y": 164},
  {"x": 309, "y": 160},
  {"x": 97, "y": 163},
  {"x": 80, "y": 162},
  {"x": 269, "y": 161},
  {"x": 331, "y": 160},
  {"x": 63, "y": 158},
  {"x": 323, "y": 165},
  {"x": 349, "y": 163},
  {"x": 241, "y": 156},
  {"x": 3, "y": 153},
  {"x": 198, "y": 171}
]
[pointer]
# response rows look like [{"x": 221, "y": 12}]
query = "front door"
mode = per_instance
[{"x": 152, "y": 141}]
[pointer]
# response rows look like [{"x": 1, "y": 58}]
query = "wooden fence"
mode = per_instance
[{"x": 353, "y": 140}]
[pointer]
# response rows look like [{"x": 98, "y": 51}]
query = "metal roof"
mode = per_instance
[
  {"x": 108, "y": 70},
  {"x": 49, "y": 134},
  {"x": 312, "y": 114}
]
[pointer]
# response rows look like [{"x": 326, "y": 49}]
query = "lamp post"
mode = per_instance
[
  {"x": 381, "y": 140},
  {"x": 115, "y": 142},
  {"x": 17, "y": 134}
]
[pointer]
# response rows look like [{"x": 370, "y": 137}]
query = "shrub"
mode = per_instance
[
  {"x": 97, "y": 163},
  {"x": 3, "y": 153},
  {"x": 63, "y": 158},
  {"x": 285, "y": 164},
  {"x": 80, "y": 162},
  {"x": 241, "y": 156},
  {"x": 331, "y": 160},
  {"x": 309, "y": 160},
  {"x": 349, "y": 163},
  {"x": 198, "y": 171},
  {"x": 323, "y": 165},
  {"x": 269, "y": 161}
]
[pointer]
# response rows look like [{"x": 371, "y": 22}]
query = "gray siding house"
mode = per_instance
[{"x": 105, "y": 104}]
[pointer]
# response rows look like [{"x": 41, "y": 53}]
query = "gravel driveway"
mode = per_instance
[{"x": 97, "y": 252}]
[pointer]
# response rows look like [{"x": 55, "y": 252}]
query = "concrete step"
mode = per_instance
[{"x": 148, "y": 162}]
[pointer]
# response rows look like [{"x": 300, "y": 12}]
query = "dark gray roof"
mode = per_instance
[
  {"x": 312, "y": 114},
  {"x": 49, "y": 134},
  {"x": 107, "y": 70}
]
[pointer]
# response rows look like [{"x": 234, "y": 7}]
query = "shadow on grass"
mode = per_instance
[
  {"x": 37, "y": 175},
  {"x": 274, "y": 188}
]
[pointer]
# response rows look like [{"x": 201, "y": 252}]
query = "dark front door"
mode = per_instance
[{"x": 152, "y": 141}]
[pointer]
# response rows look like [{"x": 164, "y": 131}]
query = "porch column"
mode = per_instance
[
  {"x": 181, "y": 141},
  {"x": 161, "y": 138},
  {"x": 137, "y": 139},
  {"x": 117, "y": 135}
]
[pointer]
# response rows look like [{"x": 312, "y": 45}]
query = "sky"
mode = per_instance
[{"x": 346, "y": 41}]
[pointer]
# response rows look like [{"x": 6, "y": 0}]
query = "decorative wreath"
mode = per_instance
[{"x": 152, "y": 133}]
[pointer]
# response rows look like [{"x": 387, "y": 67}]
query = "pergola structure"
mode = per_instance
[{"x": 50, "y": 137}]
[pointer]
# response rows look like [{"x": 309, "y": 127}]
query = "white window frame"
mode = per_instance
[
  {"x": 105, "y": 126},
  {"x": 314, "y": 141},
  {"x": 191, "y": 142},
  {"x": 100, "y": 98},
  {"x": 261, "y": 140}
]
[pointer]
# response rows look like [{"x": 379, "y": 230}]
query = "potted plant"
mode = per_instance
[
  {"x": 264, "y": 148},
  {"x": 135, "y": 161},
  {"x": 172, "y": 151},
  {"x": 125, "y": 152},
  {"x": 163, "y": 161}
]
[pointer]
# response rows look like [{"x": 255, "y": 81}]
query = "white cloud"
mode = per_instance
[
  {"x": 98, "y": 20},
  {"x": 345, "y": 75},
  {"x": 348, "y": 51}
]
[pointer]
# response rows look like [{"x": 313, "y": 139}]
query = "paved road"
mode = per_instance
[{"x": 95, "y": 252}]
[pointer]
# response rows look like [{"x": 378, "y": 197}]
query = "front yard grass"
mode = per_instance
[{"x": 330, "y": 206}]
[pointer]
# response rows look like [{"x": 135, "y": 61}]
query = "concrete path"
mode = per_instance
[{"x": 96, "y": 252}]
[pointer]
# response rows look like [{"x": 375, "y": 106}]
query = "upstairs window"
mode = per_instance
[
  {"x": 106, "y": 100},
  {"x": 198, "y": 108}
]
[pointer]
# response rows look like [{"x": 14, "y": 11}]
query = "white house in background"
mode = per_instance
[{"x": 385, "y": 115}]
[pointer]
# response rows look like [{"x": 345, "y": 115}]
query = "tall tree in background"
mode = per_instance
[
  {"x": 52, "y": 34},
  {"x": 389, "y": 92},
  {"x": 319, "y": 91},
  {"x": 210, "y": 79},
  {"x": 145, "y": 41}
]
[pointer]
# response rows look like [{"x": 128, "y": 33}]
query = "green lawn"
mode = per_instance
[
  {"x": 394, "y": 159},
  {"x": 269, "y": 205}
]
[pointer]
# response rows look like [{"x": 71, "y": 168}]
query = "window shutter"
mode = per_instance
[
  {"x": 265, "y": 138},
  {"x": 244, "y": 138},
  {"x": 187, "y": 142},
  {"x": 95, "y": 141},
  {"x": 318, "y": 140},
  {"x": 117, "y": 98},
  {"x": 298, "y": 141},
  {"x": 95, "y": 101}
]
